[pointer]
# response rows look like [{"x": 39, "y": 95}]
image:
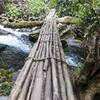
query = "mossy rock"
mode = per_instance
[
  {"x": 64, "y": 43},
  {"x": 2, "y": 47},
  {"x": 2, "y": 21},
  {"x": 33, "y": 37}
]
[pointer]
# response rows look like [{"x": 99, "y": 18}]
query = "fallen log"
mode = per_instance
[
  {"x": 31, "y": 24},
  {"x": 68, "y": 20},
  {"x": 24, "y": 24}
]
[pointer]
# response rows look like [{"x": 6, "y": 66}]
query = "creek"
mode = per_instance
[{"x": 15, "y": 46}]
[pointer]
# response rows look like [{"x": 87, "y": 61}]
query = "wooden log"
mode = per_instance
[
  {"x": 48, "y": 86},
  {"x": 69, "y": 88},
  {"x": 56, "y": 95},
  {"x": 68, "y": 20},
  {"x": 44, "y": 73},
  {"x": 21, "y": 78},
  {"x": 39, "y": 79},
  {"x": 26, "y": 84},
  {"x": 31, "y": 24},
  {"x": 24, "y": 24},
  {"x": 60, "y": 71},
  {"x": 36, "y": 67}
]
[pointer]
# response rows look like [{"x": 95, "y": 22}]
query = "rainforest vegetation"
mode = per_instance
[{"x": 82, "y": 20}]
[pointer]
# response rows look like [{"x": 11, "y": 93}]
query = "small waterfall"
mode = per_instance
[
  {"x": 15, "y": 39},
  {"x": 15, "y": 47},
  {"x": 14, "y": 42},
  {"x": 16, "y": 33}
]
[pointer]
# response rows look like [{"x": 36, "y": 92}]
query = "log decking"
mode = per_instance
[{"x": 44, "y": 75}]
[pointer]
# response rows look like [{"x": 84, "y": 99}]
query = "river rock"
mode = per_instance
[
  {"x": 12, "y": 58},
  {"x": 25, "y": 30},
  {"x": 74, "y": 46},
  {"x": 11, "y": 19},
  {"x": 33, "y": 38},
  {"x": 73, "y": 42},
  {"x": 2, "y": 47},
  {"x": 2, "y": 32},
  {"x": 64, "y": 42}
]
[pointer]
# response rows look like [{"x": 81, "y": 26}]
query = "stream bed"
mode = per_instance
[{"x": 15, "y": 47}]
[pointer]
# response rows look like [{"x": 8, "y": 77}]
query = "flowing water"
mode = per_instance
[
  {"x": 16, "y": 47},
  {"x": 74, "y": 53},
  {"x": 74, "y": 60}
]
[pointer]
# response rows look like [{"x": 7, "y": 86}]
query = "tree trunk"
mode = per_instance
[{"x": 88, "y": 81}]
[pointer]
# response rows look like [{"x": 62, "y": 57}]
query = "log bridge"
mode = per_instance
[{"x": 45, "y": 74}]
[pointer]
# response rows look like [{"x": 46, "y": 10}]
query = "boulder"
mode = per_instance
[{"x": 2, "y": 47}]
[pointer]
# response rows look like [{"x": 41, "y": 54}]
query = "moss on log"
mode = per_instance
[
  {"x": 24, "y": 24},
  {"x": 30, "y": 24},
  {"x": 68, "y": 20}
]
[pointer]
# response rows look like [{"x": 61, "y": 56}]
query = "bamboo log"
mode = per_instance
[
  {"x": 36, "y": 66},
  {"x": 39, "y": 79},
  {"x": 56, "y": 95},
  {"x": 44, "y": 71},
  {"x": 60, "y": 72},
  {"x": 70, "y": 94},
  {"x": 28, "y": 79}
]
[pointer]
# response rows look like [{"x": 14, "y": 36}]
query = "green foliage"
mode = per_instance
[
  {"x": 52, "y": 4},
  {"x": 88, "y": 11},
  {"x": 12, "y": 10},
  {"x": 90, "y": 20},
  {"x": 65, "y": 7},
  {"x": 5, "y": 88},
  {"x": 37, "y": 7},
  {"x": 6, "y": 81}
]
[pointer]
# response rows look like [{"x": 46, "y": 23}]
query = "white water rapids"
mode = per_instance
[{"x": 14, "y": 39}]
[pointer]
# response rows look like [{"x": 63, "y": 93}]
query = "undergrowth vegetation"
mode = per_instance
[
  {"x": 88, "y": 11},
  {"x": 12, "y": 10},
  {"x": 37, "y": 7},
  {"x": 31, "y": 8},
  {"x": 6, "y": 82}
]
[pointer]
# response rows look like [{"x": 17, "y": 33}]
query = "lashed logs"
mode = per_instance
[{"x": 44, "y": 75}]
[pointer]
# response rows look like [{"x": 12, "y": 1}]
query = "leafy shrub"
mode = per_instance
[
  {"x": 88, "y": 11},
  {"x": 37, "y": 7},
  {"x": 52, "y": 4},
  {"x": 5, "y": 88},
  {"x": 6, "y": 81},
  {"x": 13, "y": 11}
]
